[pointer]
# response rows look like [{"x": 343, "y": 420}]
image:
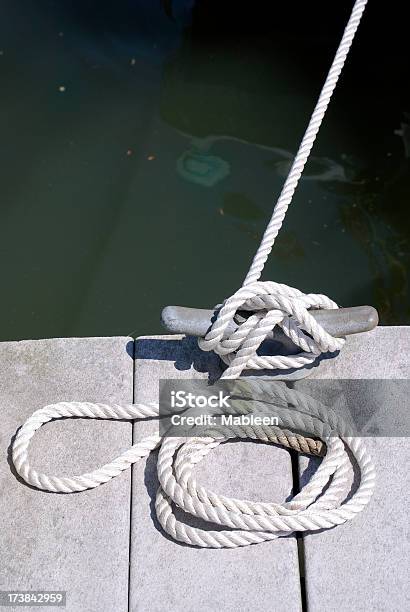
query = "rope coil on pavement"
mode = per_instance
[{"x": 320, "y": 504}]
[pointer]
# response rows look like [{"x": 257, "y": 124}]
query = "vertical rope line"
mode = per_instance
[{"x": 305, "y": 147}]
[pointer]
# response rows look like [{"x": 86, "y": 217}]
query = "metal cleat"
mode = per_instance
[{"x": 339, "y": 323}]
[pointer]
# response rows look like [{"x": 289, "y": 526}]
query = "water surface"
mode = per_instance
[{"x": 143, "y": 145}]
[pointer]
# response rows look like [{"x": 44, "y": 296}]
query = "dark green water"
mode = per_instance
[{"x": 143, "y": 145}]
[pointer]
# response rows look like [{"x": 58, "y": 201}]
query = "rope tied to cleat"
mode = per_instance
[
  {"x": 244, "y": 322},
  {"x": 275, "y": 304},
  {"x": 271, "y": 304}
]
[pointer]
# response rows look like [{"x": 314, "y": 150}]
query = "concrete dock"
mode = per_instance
[{"x": 104, "y": 546}]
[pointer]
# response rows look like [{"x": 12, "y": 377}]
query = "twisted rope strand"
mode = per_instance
[{"x": 306, "y": 145}]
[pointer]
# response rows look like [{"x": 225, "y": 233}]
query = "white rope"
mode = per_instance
[
  {"x": 247, "y": 522},
  {"x": 287, "y": 307},
  {"x": 306, "y": 145},
  {"x": 272, "y": 304},
  {"x": 320, "y": 504}
]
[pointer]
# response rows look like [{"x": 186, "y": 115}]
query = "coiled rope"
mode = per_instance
[{"x": 271, "y": 304}]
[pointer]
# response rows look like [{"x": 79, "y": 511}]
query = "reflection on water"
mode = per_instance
[
  {"x": 144, "y": 144},
  {"x": 204, "y": 169}
]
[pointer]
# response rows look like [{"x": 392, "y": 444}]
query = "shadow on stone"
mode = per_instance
[{"x": 185, "y": 353}]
